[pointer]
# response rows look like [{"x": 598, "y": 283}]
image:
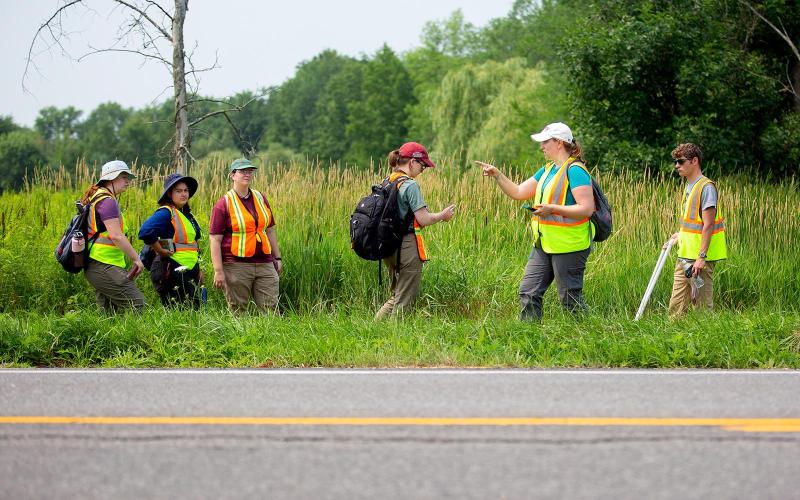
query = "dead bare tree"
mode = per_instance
[
  {"x": 148, "y": 31},
  {"x": 793, "y": 82}
]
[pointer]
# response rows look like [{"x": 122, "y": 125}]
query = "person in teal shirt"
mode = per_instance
[{"x": 562, "y": 231}]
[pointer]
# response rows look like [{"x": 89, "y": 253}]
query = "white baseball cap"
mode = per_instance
[
  {"x": 112, "y": 169},
  {"x": 555, "y": 130}
]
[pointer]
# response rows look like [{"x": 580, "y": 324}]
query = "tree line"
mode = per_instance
[{"x": 632, "y": 77}]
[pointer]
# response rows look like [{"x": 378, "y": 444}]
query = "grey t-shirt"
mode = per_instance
[
  {"x": 708, "y": 198},
  {"x": 409, "y": 198}
]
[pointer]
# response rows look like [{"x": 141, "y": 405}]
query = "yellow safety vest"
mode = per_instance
[
  {"x": 421, "y": 248},
  {"x": 185, "y": 239},
  {"x": 556, "y": 233},
  {"x": 690, "y": 235},
  {"x": 103, "y": 249},
  {"x": 246, "y": 232}
]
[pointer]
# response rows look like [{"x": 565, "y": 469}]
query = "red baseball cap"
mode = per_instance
[{"x": 417, "y": 151}]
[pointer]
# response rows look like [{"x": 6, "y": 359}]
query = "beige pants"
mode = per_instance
[
  {"x": 405, "y": 278},
  {"x": 245, "y": 280},
  {"x": 112, "y": 288},
  {"x": 681, "y": 299}
]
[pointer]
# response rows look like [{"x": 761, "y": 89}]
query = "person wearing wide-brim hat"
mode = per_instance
[
  {"x": 172, "y": 232},
  {"x": 107, "y": 243},
  {"x": 244, "y": 243},
  {"x": 563, "y": 202}
]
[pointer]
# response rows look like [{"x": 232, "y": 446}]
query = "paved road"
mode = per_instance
[{"x": 374, "y": 434}]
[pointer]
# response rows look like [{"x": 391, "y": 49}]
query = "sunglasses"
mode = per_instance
[
  {"x": 421, "y": 163},
  {"x": 681, "y": 161}
]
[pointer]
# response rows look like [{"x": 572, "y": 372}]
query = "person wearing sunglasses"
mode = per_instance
[
  {"x": 405, "y": 268},
  {"x": 701, "y": 236},
  {"x": 562, "y": 204}
]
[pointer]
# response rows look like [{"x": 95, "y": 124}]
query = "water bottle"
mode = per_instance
[
  {"x": 203, "y": 295},
  {"x": 77, "y": 245},
  {"x": 697, "y": 281}
]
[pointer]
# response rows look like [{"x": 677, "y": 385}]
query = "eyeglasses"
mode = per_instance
[
  {"x": 422, "y": 163},
  {"x": 681, "y": 161}
]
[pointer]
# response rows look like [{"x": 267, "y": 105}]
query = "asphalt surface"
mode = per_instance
[{"x": 409, "y": 459}]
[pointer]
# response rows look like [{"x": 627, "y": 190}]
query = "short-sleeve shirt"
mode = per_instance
[
  {"x": 409, "y": 198},
  {"x": 575, "y": 175},
  {"x": 106, "y": 209},
  {"x": 221, "y": 224},
  {"x": 708, "y": 197}
]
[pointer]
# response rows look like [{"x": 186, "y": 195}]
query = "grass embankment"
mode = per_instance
[
  {"x": 189, "y": 339},
  {"x": 468, "y": 302}
]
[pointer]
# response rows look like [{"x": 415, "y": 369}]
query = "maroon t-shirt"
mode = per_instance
[{"x": 221, "y": 224}]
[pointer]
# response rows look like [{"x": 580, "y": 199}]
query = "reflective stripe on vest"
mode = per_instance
[
  {"x": 421, "y": 249},
  {"x": 556, "y": 233},
  {"x": 246, "y": 231},
  {"x": 103, "y": 249},
  {"x": 690, "y": 234},
  {"x": 185, "y": 239}
]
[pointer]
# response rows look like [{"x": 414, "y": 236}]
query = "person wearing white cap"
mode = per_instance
[
  {"x": 562, "y": 231},
  {"x": 108, "y": 245}
]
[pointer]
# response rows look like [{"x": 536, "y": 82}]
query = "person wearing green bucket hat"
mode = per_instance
[
  {"x": 105, "y": 269},
  {"x": 244, "y": 243},
  {"x": 172, "y": 232}
]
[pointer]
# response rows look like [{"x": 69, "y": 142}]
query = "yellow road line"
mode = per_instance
[{"x": 732, "y": 424}]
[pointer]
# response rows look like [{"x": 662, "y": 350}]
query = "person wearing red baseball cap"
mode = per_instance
[
  {"x": 562, "y": 231},
  {"x": 405, "y": 268}
]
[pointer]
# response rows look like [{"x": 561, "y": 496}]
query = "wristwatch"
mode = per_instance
[{"x": 701, "y": 255}]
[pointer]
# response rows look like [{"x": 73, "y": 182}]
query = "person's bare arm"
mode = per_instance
[
  {"x": 584, "y": 205},
  {"x": 425, "y": 218},
  {"x": 215, "y": 244},
  {"x": 513, "y": 190},
  {"x": 121, "y": 241},
  {"x": 272, "y": 236}
]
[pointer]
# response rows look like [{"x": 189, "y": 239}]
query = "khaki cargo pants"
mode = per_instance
[
  {"x": 405, "y": 278},
  {"x": 681, "y": 299},
  {"x": 112, "y": 289},
  {"x": 245, "y": 280}
]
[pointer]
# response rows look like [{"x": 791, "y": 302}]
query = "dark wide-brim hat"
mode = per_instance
[{"x": 173, "y": 179}]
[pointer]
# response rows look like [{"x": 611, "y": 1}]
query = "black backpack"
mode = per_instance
[
  {"x": 376, "y": 228},
  {"x": 73, "y": 262},
  {"x": 601, "y": 218}
]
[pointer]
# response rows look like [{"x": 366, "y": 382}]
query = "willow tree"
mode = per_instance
[{"x": 488, "y": 111}]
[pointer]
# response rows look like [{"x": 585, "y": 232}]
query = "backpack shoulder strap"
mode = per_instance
[{"x": 400, "y": 180}]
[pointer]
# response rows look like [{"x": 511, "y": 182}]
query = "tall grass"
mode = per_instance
[{"x": 477, "y": 259}]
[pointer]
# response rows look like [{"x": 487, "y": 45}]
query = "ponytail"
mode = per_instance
[
  {"x": 574, "y": 149},
  {"x": 89, "y": 193},
  {"x": 396, "y": 161}
]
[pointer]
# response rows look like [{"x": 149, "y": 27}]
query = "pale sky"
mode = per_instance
[{"x": 258, "y": 43}]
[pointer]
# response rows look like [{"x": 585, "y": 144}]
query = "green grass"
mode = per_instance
[
  {"x": 468, "y": 308},
  {"x": 190, "y": 339}
]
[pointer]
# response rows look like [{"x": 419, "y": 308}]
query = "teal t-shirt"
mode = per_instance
[
  {"x": 409, "y": 198},
  {"x": 575, "y": 175}
]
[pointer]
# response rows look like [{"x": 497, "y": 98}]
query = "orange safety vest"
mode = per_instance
[
  {"x": 186, "y": 247},
  {"x": 421, "y": 250},
  {"x": 246, "y": 231}
]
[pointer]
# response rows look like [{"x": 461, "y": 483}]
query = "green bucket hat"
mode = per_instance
[{"x": 241, "y": 163}]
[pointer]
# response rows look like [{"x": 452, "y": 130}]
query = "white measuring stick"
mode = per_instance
[{"x": 653, "y": 279}]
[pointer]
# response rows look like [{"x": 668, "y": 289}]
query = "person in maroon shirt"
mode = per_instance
[{"x": 244, "y": 244}]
